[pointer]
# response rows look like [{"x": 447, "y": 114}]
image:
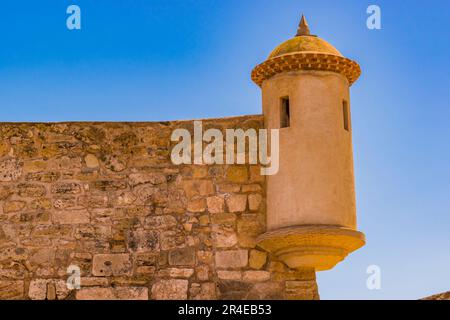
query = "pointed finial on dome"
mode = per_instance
[{"x": 303, "y": 28}]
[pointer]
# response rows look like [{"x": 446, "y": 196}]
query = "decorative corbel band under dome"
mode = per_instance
[{"x": 306, "y": 61}]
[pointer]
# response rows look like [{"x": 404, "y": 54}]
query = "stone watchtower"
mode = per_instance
[
  {"x": 311, "y": 216},
  {"x": 107, "y": 199}
]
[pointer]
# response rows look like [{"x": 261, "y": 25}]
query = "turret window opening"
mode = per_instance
[
  {"x": 285, "y": 113},
  {"x": 346, "y": 114}
]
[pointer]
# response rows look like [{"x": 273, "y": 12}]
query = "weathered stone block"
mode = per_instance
[
  {"x": 172, "y": 239},
  {"x": 105, "y": 265},
  {"x": 91, "y": 161},
  {"x": 203, "y": 291},
  {"x": 10, "y": 170},
  {"x": 38, "y": 289},
  {"x": 43, "y": 176},
  {"x": 197, "y": 205},
  {"x": 249, "y": 228},
  {"x": 42, "y": 256},
  {"x": 146, "y": 193},
  {"x": 224, "y": 219},
  {"x": 13, "y": 270},
  {"x": 125, "y": 198},
  {"x": 115, "y": 164},
  {"x": 64, "y": 163},
  {"x": 254, "y": 201},
  {"x": 35, "y": 166},
  {"x": 13, "y": 206},
  {"x": 100, "y": 201},
  {"x": 198, "y": 188},
  {"x": 5, "y": 192},
  {"x": 205, "y": 256},
  {"x": 302, "y": 290},
  {"x": 251, "y": 188},
  {"x": 11, "y": 290},
  {"x": 266, "y": 291},
  {"x": 160, "y": 222},
  {"x": 146, "y": 270},
  {"x": 256, "y": 276},
  {"x": 51, "y": 230},
  {"x": 5, "y": 148},
  {"x": 117, "y": 293},
  {"x": 143, "y": 240},
  {"x": 233, "y": 290},
  {"x": 143, "y": 178},
  {"x": 237, "y": 174},
  {"x": 204, "y": 220},
  {"x": 65, "y": 203},
  {"x": 176, "y": 273},
  {"x": 133, "y": 211},
  {"x": 147, "y": 259},
  {"x": 66, "y": 188},
  {"x": 187, "y": 227},
  {"x": 202, "y": 272},
  {"x": 229, "y": 275},
  {"x": 199, "y": 172},
  {"x": 229, "y": 188},
  {"x": 223, "y": 237},
  {"x": 285, "y": 273},
  {"x": 12, "y": 252},
  {"x": 231, "y": 259},
  {"x": 35, "y": 217},
  {"x": 30, "y": 190},
  {"x": 41, "y": 204},
  {"x": 183, "y": 256},
  {"x": 215, "y": 204},
  {"x": 109, "y": 185},
  {"x": 175, "y": 289},
  {"x": 94, "y": 282},
  {"x": 51, "y": 291},
  {"x": 71, "y": 217},
  {"x": 237, "y": 202}
]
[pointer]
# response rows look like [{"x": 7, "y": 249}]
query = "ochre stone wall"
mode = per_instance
[{"x": 106, "y": 197}]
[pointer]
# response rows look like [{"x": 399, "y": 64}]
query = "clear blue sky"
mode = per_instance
[{"x": 160, "y": 60}]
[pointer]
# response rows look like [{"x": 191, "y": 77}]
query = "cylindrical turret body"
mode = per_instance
[
  {"x": 315, "y": 182},
  {"x": 311, "y": 216}
]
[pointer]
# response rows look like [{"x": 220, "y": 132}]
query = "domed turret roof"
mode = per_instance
[
  {"x": 304, "y": 44},
  {"x": 305, "y": 52}
]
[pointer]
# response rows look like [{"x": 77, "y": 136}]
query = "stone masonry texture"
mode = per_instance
[{"x": 105, "y": 197}]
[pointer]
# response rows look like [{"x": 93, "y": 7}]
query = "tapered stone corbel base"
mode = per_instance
[{"x": 313, "y": 246}]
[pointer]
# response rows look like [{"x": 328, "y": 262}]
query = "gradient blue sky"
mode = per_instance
[{"x": 152, "y": 60}]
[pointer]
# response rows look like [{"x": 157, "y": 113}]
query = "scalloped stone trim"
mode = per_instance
[{"x": 306, "y": 61}]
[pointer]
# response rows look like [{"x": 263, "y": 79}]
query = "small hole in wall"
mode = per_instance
[
  {"x": 285, "y": 113},
  {"x": 346, "y": 115}
]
